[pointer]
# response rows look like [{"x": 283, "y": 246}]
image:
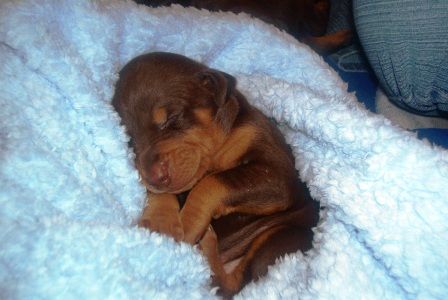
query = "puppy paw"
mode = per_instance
[
  {"x": 209, "y": 243},
  {"x": 343, "y": 37},
  {"x": 168, "y": 226}
]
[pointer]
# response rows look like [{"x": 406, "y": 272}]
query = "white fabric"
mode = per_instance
[{"x": 70, "y": 195}]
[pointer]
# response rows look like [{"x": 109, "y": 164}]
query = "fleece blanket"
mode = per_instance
[{"x": 70, "y": 195}]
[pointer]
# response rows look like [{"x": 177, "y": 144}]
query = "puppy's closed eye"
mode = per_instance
[
  {"x": 170, "y": 120},
  {"x": 163, "y": 118}
]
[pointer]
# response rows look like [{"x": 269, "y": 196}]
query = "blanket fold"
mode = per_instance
[{"x": 70, "y": 196}]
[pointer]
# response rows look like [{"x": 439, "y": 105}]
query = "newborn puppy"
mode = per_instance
[{"x": 194, "y": 134}]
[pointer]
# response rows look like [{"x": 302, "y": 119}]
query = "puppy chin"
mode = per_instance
[{"x": 173, "y": 189}]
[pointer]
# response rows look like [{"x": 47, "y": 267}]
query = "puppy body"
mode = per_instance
[{"x": 192, "y": 131}]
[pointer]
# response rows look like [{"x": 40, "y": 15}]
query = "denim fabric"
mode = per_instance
[{"x": 406, "y": 43}]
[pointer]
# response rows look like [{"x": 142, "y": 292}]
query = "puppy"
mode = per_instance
[
  {"x": 306, "y": 20},
  {"x": 195, "y": 135}
]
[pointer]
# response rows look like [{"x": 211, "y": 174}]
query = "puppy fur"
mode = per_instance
[{"x": 196, "y": 136}]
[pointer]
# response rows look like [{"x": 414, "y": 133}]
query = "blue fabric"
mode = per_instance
[
  {"x": 364, "y": 84},
  {"x": 436, "y": 136},
  {"x": 406, "y": 43}
]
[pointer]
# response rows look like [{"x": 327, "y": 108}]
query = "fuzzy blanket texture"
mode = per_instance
[{"x": 70, "y": 195}]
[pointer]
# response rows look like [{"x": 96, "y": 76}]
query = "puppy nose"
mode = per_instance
[{"x": 158, "y": 174}]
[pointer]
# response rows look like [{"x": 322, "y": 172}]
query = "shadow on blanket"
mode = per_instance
[{"x": 70, "y": 195}]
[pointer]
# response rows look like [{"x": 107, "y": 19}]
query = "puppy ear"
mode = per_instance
[
  {"x": 219, "y": 83},
  {"x": 222, "y": 85}
]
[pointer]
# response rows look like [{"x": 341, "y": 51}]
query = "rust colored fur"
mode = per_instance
[{"x": 195, "y": 135}]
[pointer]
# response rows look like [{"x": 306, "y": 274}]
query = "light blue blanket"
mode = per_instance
[{"x": 70, "y": 195}]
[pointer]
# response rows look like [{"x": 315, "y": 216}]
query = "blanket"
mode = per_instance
[{"x": 70, "y": 195}]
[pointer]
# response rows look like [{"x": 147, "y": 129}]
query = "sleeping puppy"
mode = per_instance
[{"x": 195, "y": 135}]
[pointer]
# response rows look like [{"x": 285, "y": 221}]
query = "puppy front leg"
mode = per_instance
[
  {"x": 243, "y": 189},
  {"x": 202, "y": 203},
  {"x": 330, "y": 42},
  {"x": 161, "y": 214}
]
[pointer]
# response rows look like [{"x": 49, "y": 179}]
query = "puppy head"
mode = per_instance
[{"x": 178, "y": 113}]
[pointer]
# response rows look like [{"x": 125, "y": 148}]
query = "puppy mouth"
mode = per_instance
[
  {"x": 181, "y": 172},
  {"x": 171, "y": 189}
]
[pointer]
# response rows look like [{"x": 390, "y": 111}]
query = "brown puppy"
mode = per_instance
[
  {"x": 306, "y": 20},
  {"x": 192, "y": 131}
]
